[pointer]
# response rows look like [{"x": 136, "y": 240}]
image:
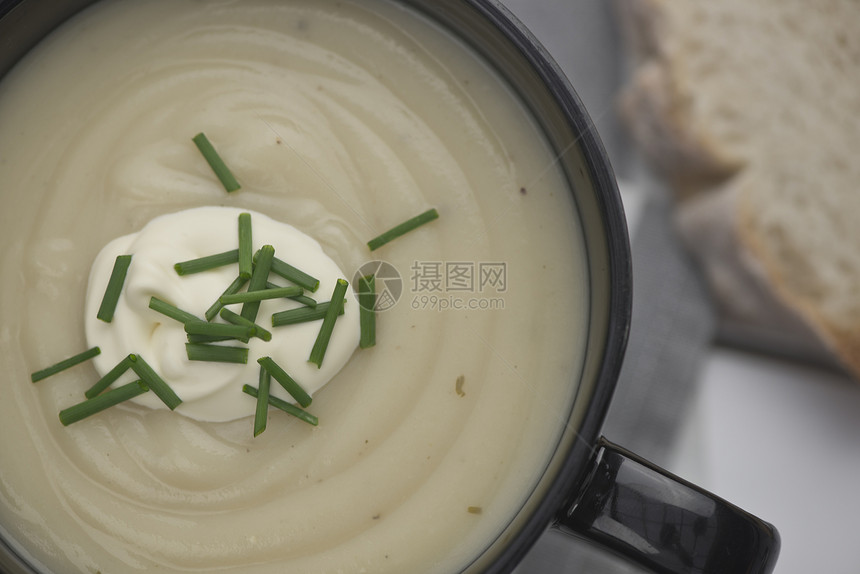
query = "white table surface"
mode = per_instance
[{"x": 782, "y": 441}]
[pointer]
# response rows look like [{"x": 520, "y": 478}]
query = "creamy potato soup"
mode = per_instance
[{"x": 341, "y": 120}]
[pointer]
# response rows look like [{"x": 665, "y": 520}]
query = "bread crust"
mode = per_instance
[{"x": 657, "y": 106}]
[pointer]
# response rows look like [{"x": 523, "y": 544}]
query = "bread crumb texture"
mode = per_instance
[{"x": 765, "y": 95}]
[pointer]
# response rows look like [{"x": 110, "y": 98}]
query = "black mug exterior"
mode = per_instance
[
  {"x": 664, "y": 523},
  {"x": 593, "y": 488}
]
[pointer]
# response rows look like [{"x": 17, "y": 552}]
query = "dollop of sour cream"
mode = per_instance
[{"x": 212, "y": 391}]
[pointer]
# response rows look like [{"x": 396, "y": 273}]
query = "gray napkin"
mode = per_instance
[{"x": 672, "y": 328}]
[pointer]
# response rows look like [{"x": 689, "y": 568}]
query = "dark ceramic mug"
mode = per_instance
[{"x": 591, "y": 488}]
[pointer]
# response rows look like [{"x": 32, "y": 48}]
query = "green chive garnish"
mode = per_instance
[
  {"x": 212, "y": 338},
  {"x": 65, "y": 364},
  {"x": 263, "y": 294},
  {"x": 262, "y": 413},
  {"x": 258, "y": 280},
  {"x": 169, "y": 310},
  {"x": 103, "y": 401},
  {"x": 324, "y": 335},
  {"x": 109, "y": 378},
  {"x": 215, "y": 162},
  {"x": 303, "y": 299},
  {"x": 294, "y": 275},
  {"x": 207, "y": 263},
  {"x": 367, "y": 310},
  {"x": 403, "y": 228},
  {"x": 242, "y": 333},
  {"x": 286, "y": 381},
  {"x": 234, "y": 287},
  {"x": 301, "y": 315},
  {"x": 246, "y": 253},
  {"x": 114, "y": 288},
  {"x": 285, "y": 406},
  {"x": 216, "y": 353},
  {"x": 237, "y": 319},
  {"x": 154, "y": 382}
]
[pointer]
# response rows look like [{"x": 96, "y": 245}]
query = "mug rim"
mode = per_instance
[{"x": 571, "y": 475}]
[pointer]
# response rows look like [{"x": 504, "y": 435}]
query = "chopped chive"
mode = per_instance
[
  {"x": 154, "y": 382},
  {"x": 403, "y": 228},
  {"x": 301, "y": 315},
  {"x": 242, "y": 333},
  {"x": 284, "y": 406},
  {"x": 237, "y": 319},
  {"x": 237, "y": 284},
  {"x": 216, "y": 353},
  {"x": 207, "y": 263},
  {"x": 169, "y": 310},
  {"x": 258, "y": 280},
  {"x": 263, "y": 294},
  {"x": 324, "y": 335},
  {"x": 286, "y": 381},
  {"x": 294, "y": 275},
  {"x": 303, "y": 299},
  {"x": 367, "y": 310},
  {"x": 101, "y": 402},
  {"x": 109, "y": 378},
  {"x": 213, "y": 338},
  {"x": 246, "y": 254},
  {"x": 262, "y": 413},
  {"x": 215, "y": 162},
  {"x": 114, "y": 288},
  {"x": 65, "y": 364}
]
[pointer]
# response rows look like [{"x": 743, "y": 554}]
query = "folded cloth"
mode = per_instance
[{"x": 672, "y": 328}]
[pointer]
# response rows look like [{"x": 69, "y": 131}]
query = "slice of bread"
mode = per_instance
[{"x": 758, "y": 101}]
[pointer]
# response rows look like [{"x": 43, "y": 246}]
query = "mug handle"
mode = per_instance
[{"x": 664, "y": 523}]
